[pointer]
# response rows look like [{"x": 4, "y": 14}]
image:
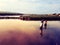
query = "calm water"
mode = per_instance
[{"x": 19, "y": 32}]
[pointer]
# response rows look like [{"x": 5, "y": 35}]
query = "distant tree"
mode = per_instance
[
  {"x": 58, "y": 14},
  {"x": 54, "y": 14}
]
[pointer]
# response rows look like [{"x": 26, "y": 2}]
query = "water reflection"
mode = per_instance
[
  {"x": 18, "y": 32},
  {"x": 41, "y": 30}
]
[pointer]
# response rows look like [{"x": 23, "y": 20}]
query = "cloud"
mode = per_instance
[{"x": 30, "y": 6}]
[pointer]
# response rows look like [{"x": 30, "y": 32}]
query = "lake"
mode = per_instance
[{"x": 19, "y": 32}]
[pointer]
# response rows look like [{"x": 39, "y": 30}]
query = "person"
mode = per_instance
[{"x": 45, "y": 25}]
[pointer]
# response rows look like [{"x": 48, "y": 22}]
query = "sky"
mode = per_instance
[{"x": 30, "y": 6}]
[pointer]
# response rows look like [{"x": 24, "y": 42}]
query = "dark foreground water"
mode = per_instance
[{"x": 18, "y": 32}]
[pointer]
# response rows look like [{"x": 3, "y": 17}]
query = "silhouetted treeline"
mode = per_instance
[
  {"x": 9, "y": 17},
  {"x": 45, "y": 17},
  {"x": 3, "y": 14}
]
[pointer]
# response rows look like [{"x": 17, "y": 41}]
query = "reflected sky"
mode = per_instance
[{"x": 19, "y": 32}]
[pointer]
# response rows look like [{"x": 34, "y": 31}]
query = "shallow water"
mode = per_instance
[{"x": 19, "y": 32}]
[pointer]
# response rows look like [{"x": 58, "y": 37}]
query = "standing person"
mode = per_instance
[
  {"x": 41, "y": 27},
  {"x": 45, "y": 24},
  {"x": 42, "y": 22}
]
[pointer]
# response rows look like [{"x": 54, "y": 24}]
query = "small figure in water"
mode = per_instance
[
  {"x": 42, "y": 21},
  {"x": 41, "y": 26},
  {"x": 45, "y": 24}
]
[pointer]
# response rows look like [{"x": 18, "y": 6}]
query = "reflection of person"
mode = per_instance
[
  {"x": 45, "y": 25},
  {"x": 41, "y": 29}
]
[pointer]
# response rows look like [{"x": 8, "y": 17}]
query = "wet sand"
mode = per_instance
[{"x": 19, "y": 32}]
